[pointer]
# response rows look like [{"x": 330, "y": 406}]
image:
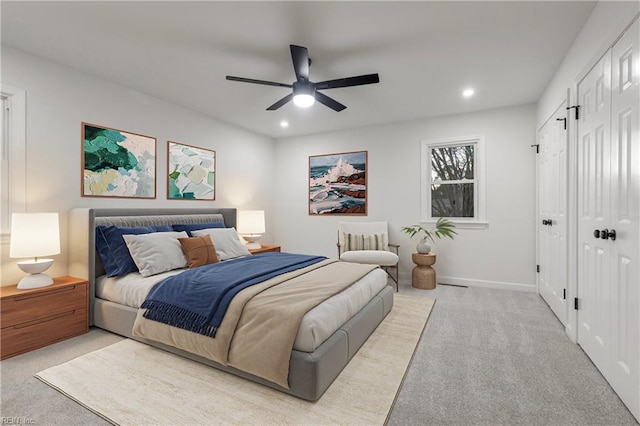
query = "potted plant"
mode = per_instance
[{"x": 443, "y": 228}]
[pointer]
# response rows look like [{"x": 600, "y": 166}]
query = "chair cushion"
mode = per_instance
[{"x": 372, "y": 257}]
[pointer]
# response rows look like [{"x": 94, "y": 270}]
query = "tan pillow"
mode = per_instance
[{"x": 199, "y": 251}]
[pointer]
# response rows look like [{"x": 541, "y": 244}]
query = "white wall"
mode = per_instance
[
  {"x": 501, "y": 256},
  {"x": 60, "y": 98}
]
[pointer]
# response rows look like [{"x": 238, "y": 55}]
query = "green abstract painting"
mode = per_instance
[
  {"x": 117, "y": 163},
  {"x": 192, "y": 172}
]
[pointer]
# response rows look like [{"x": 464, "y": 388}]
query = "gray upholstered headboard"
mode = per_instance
[{"x": 84, "y": 261}]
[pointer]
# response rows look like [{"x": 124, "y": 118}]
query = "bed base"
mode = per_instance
[{"x": 310, "y": 373}]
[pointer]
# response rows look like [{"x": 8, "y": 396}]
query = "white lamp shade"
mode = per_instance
[
  {"x": 34, "y": 235},
  {"x": 251, "y": 222}
]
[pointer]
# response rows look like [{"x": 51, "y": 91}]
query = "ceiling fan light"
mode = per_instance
[{"x": 303, "y": 100}]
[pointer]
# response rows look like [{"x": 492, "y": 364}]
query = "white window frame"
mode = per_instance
[
  {"x": 480, "y": 182},
  {"x": 13, "y": 169}
]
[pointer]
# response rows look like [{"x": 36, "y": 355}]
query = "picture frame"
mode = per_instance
[
  {"x": 190, "y": 172},
  {"x": 116, "y": 163},
  {"x": 338, "y": 184}
]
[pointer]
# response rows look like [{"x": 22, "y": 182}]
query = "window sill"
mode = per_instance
[{"x": 461, "y": 224}]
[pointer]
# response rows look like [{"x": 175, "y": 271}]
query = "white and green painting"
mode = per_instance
[
  {"x": 117, "y": 163},
  {"x": 192, "y": 172}
]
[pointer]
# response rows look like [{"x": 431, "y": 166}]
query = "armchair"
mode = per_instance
[{"x": 368, "y": 242}]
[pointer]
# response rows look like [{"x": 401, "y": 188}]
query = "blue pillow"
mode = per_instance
[
  {"x": 188, "y": 227},
  {"x": 114, "y": 251}
]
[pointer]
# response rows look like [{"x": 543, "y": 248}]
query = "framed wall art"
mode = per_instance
[
  {"x": 191, "y": 172},
  {"x": 338, "y": 184},
  {"x": 117, "y": 163}
]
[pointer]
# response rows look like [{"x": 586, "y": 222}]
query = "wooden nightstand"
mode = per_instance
[
  {"x": 31, "y": 319},
  {"x": 265, "y": 248}
]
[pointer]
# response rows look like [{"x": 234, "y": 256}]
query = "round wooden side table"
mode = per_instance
[{"x": 423, "y": 275}]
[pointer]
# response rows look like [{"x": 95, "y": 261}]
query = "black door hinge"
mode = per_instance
[
  {"x": 576, "y": 304},
  {"x": 564, "y": 294},
  {"x": 577, "y": 108},
  {"x": 537, "y": 268},
  {"x": 564, "y": 120},
  {"x": 537, "y": 145}
]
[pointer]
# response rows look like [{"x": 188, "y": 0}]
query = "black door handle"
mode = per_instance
[
  {"x": 596, "y": 233},
  {"x": 544, "y": 222},
  {"x": 612, "y": 234},
  {"x": 547, "y": 222},
  {"x": 604, "y": 234}
]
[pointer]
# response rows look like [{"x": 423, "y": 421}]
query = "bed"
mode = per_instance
[{"x": 312, "y": 367}]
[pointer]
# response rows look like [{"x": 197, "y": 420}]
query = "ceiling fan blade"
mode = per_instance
[
  {"x": 280, "y": 102},
  {"x": 348, "y": 82},
  {"x": 331, "y": 103},
  {"x": 300, "y": 58},
  {"x": 251, "y": 80}
]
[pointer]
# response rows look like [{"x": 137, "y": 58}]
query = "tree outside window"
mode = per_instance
[
  {"x": 452, "y": 181},
  {"x": 452, "y": 184}
]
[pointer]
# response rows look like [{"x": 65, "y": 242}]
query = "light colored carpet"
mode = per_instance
[{"x": 132, "y": 383}]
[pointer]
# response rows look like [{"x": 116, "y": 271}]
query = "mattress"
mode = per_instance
[{"x": 317, "y": 325}]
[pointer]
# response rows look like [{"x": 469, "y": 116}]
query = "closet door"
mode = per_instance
[
  {"x": 594, "y": 283},
  {"x": 609, "y": 217},
  {"x": 625, "y": 217},
  {"x": 552, "y": 212}
]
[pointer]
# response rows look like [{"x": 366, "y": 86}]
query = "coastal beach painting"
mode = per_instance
[
  {"x": 192, "y": 172},
  {"x": 338, "y": 184},
  {"x": 117, "y": 163}
]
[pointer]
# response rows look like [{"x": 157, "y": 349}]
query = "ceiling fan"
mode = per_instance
[{"x": 305, "y": 92}]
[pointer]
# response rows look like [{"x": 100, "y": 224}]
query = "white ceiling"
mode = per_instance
[{"x": 425, "y": 52}]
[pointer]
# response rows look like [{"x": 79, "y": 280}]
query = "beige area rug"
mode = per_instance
[{"x": 131, "y": 383}]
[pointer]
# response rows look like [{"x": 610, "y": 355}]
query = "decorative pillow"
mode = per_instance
[
  {"x": 113, "y": 251},
  {"x": 188, "y": 227},
  {"x": 199, "y": 251},
  {"x": 364, "y": 242},
  {"x": 226, "y": 241},
  {"x": 157, "y": 252}
]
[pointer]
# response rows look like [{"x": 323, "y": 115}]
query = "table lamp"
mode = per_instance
[
  {"x": 251, "y": 227},
  {"x": 34, "y": 235}
]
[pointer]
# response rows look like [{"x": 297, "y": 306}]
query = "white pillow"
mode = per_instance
[
  {"x": 156, "y": 252},
  {"x": 226, "y": 241}
]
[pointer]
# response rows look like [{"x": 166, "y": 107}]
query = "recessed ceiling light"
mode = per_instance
[
  {"x": 284, "y": 123},
  {"x": 467, "y": 93}
]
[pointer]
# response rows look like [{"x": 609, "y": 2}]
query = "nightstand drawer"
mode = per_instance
[
  {"x": 31, "y": 306},
  {"x": 42, "y": 332}
]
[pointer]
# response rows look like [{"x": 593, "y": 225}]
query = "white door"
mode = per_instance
[
  {"x": 594, "y": 284},
  {"x": 552, "y": 212},
  {"x": 609, "y": 217},
  {"x": 625, "y": 218}
]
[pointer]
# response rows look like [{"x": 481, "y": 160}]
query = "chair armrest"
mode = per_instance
[{"x": 394, "y": 246}]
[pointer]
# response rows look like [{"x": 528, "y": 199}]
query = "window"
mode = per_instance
[
  {"x": 453, "y": 184},
  {"x": 13, "y": 164}
]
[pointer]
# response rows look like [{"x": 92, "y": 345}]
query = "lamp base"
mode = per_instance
[
  {"x": 35, "y": 281},
  {"x": 252, "y": 241}
]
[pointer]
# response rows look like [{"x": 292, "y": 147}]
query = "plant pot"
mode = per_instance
[{"x": 423, "y": 246}]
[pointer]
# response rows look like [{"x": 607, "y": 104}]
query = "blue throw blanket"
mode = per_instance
[{"x": 197, "y": 299}]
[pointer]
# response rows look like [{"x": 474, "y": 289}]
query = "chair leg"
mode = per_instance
[{"x": 395, "y": 279}]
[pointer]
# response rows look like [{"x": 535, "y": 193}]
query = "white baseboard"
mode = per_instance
[
  {"x": 487, "y": 284},
  {"x": 466, "y": 282}
]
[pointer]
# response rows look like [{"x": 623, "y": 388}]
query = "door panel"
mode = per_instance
[
  {"x": 625, "y": 209},
  {"x": 609, "y": 199},
  {"x": 552, "y": 207},
  {"x": 594, "y": 94}
]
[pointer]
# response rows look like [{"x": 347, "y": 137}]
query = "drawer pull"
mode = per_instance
[{"x": 45, "y": 319}]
